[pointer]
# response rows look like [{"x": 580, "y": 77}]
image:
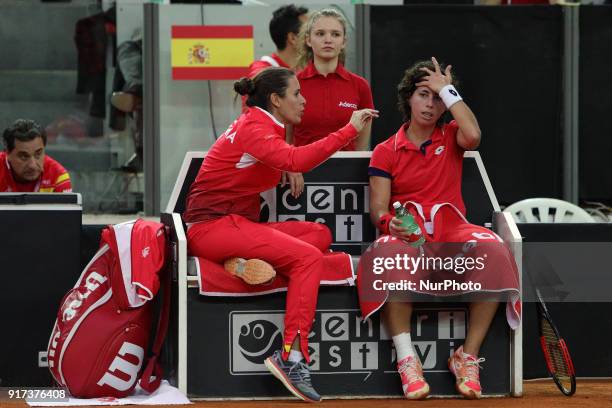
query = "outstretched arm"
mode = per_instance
[{"x": 276, "y": 153}]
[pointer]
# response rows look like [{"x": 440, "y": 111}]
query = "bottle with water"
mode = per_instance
[{"x": 408, "y": 223}]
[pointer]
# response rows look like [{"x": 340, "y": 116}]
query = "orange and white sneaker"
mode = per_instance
[
  {"x": 467, "y": 373},
  {"x": 252, "y": 271},
  {"x": 413, "y": 382}
]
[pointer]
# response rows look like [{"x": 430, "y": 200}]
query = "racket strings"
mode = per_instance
[{"x": 556, "y": 355}]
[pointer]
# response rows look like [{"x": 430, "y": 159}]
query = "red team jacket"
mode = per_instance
[
  {"x": 248, "y": 159},
  {"x": 54, "y": 178}
]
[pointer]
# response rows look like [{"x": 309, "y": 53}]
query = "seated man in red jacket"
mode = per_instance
[{"x": 24, "y": 167}]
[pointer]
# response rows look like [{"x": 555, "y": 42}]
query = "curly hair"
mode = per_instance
[
  {"x": 305, "y": 53},
  {"x": 408, "y": 84}
]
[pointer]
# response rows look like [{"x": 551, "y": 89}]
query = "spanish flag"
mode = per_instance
[{"x": 211, "y": 52}]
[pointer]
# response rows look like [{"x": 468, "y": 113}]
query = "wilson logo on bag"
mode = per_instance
[{"x": 101, "y": 334}]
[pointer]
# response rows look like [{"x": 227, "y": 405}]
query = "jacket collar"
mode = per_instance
[{"x": 269, "y": 115}]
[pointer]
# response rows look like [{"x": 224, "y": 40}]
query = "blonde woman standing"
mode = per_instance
[{"x": 333, "y": 93}]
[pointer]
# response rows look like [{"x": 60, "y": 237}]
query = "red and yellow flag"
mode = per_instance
[{"x": 211, "y": 52}]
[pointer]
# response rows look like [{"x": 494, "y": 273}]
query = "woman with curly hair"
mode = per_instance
[{"x": 421, "y": 167}]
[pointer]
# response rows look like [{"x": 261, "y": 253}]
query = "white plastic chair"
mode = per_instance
[{"x": 550, "y": 210}]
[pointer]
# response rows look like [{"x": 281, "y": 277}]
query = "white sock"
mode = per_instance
[
  {"x": 295, "y": 356},
  {"x": 403, "y": 346}
]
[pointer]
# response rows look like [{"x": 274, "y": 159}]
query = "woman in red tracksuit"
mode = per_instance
[{"x": 223, "y": 207}]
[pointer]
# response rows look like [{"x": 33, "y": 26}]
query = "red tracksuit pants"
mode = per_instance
[{"x": 294, "y": 248}]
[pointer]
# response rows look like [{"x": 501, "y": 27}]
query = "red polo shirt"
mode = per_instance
[
  {"x": 330, "y": 102},
  {"x": 54, "y": 178},
  {"x": 428, "y": 174}
]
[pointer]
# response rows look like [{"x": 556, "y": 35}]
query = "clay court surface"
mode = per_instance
[{"x": 541, "y": 393}]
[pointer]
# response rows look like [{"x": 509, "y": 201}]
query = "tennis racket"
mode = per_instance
[{"x": 556, "y": 354}]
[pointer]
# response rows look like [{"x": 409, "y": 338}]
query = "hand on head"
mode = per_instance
[
  {"x": 361, "y": 118},
  {"x": 436, "y": 80}
]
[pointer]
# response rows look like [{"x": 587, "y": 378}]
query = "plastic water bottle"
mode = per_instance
[{"x": 408, "y": 223}]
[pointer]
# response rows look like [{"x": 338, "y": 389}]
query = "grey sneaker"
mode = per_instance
[{"x": 295, "y": 376}]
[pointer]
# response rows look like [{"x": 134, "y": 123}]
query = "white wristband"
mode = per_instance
[{"x": 450, "y": 96}]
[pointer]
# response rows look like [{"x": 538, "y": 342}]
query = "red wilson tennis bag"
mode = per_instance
[{"x": 101, "y": 334}]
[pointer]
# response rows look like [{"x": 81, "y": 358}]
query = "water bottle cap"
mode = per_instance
[{"x": 397, "y": 205}]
